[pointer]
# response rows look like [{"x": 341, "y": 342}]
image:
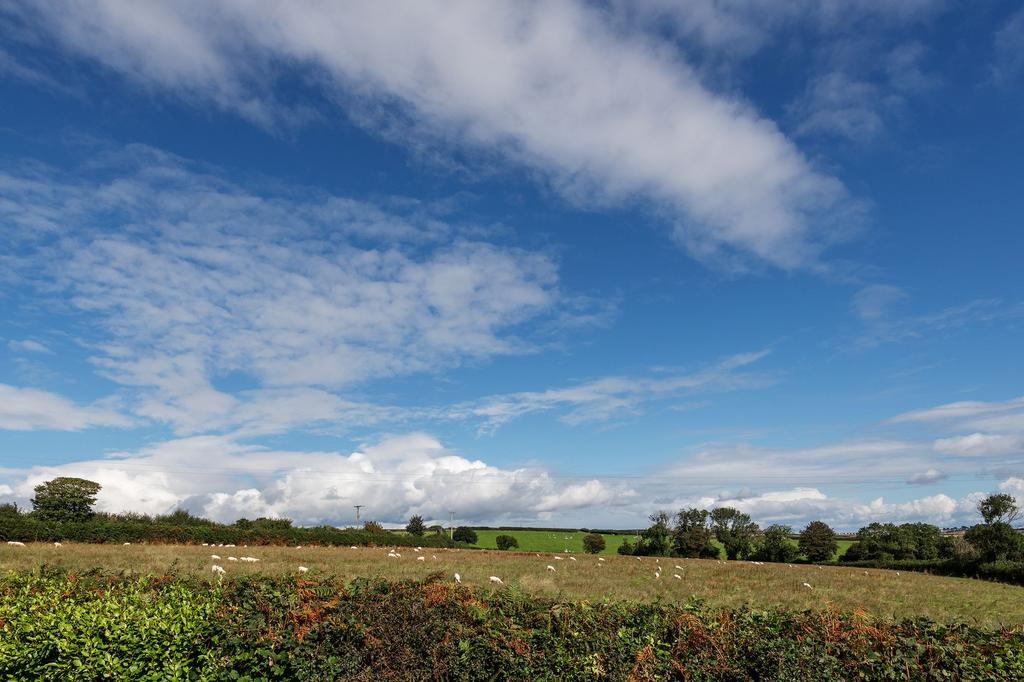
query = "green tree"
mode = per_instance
[
  {"x": 818, "y": 541},
  {"x": 506, "y": 542},
  {"x": 657, "y": 539},
  {"x": 593, "y": 543},
  {"x": 65, "y": 499},
  {"x": 925, "y": 538},
  {"x": 996, "y": 539},
  {"x": 463, "y": 534},
  {"x": 734, "y": 530},
  {"x": 999, "y": 508},
  {"x": 691, "y": 536},
  {"x": 775, "y": 545},
  {"x": 627, "y": 548},
  {"x": 416, "y": 526}
]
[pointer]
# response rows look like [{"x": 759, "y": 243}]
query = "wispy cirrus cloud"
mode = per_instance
[
  {"x": 186, "y": 278},
  {"x": 606, "y": 113},
  {"x": 613, "y": 397}
]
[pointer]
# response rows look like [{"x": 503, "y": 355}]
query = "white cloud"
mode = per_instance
[
  {"x": 394, "y": 478},
  {"x": 979, "y": 444},
  {"x": 1014, "y": 486},
  {"x": 1005, "y": 416},
  {"x": 931, "y": 475},
  {"x": 191, "y": 279},
  {"x": 612, "y": 397},
  {"x": 1008, "y": 48},
  {"x": 607, "y": 116},
  {"x": 873, "y": 302},
  {"x": 28, "y": 346},
  {"x": 29, "y": 409}
]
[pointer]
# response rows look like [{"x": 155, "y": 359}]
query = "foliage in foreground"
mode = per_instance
[{"x": 57, "y": 627}]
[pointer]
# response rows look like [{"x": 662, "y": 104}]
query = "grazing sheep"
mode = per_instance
[
  {"x": 215, "y": 557},
  {"x": 15, "y": 543},
  {"x": 572, "y": 558},
  {"x": 393, "y": 555},
  {"x": 218, "y": 569},
  {"x": 657, "y": 575},
  {"x": 250, "y": 559},
  {"x": 558, "y": 558},
  {"x": 808, "y": 586},
  {"x": 353, "y": 547},
  {"x": 421, "y": 558},
  {"x": 206, "y": 544},
  {"x": 679, "y": 567},
  {"x": 434, "y": 557},
  {"x": 229, "y": 545},
  {"x": 551, "y": 568},
  {"x": 496, "y": 580},
  {"x": 57, "y": 544},
  {"x": 458, "y": 579},
  {"x": 600, "y": 558},
  {"x": 677, "y": 576},
  {"x": 303, "y": 569},
  {"x": 125, "y": 544},
  {"x": 231, "y": 558}
]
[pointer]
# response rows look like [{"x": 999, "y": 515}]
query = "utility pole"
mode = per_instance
[
  {"x": 451, "y": 523},
  {"x": 358, "y": 507}
]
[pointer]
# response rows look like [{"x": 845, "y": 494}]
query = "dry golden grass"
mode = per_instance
[{"x": 720, "y": 584}]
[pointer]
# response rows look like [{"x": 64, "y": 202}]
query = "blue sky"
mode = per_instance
[{"x": 535, "y": 263}]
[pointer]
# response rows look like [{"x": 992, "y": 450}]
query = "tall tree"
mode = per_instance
[
  {"x": 775, "y": 545},
  {"x": 818, "y": 541},
  {"x": 1000, "y": 508},
  {"x": 657, "y": 539},
  {"x": 416, "y": 526},
  {"x": 734, "y": 530},
  {"x": 65, "y": 499},
  {"x": 691, "y": 536}
]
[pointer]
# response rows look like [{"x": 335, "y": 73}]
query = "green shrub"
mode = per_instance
[
  {"x": 463, "y": 534},
  {"x": 593, "y": 543},
  {"x": 505, "y": 542},
  {"x": 263, "y": 628}
]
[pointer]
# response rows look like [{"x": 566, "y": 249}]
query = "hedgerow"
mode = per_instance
[
  {"x": 1011, "y": 572},
  {"x": 263, "y": 628},
  {"x": 119, "y": 529}
]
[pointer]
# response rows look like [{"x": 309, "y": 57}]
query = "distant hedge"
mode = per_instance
[
  {"x": 115, "y": 530},
  {"x": 261, "y": 628},
  {"x": 1011, "y": 572}
]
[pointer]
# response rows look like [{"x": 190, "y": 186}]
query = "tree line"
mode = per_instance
[
  {"x": 63, "y": 509},
  {"x": 690, "y": 532}
]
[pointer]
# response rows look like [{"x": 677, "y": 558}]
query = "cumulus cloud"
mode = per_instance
[
  {"x": 608, "y": 115},
  {"x": 29, "y": 409},
  {"x": 931, "y": 475},
  {"x": 393, "y": 478}
]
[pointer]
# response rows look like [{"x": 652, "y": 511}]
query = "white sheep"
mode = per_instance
[
  {"x": 458, "y": 579},
  {"x": 303, "y": 569},
  {"x": 558, "y": 558},
  {"x": 657, "y": 575},
  {"x": 679, "y": 567},
  {"x": 572, "y": 558},
  {"x": 434, "y": 557},
  {"x": 677, "y": 576},
  {"x": 206, "y": 544},
  {"x": 215, "y": 557},
  {"x": 250, "y": 559},
  {"x": 231, "y": 558},
  {"x": 808, "y": 586},
  {"x": 218, "y": 569},
  {"x": 551, "y": 568},
  {"x": 353, "y": 547},
  {"x": 229, "y": 545},
  {"x": 15, "y": 543},
  {"x": 600, "y": 558},
  {"x": 421, "y": 558},
  {"x": 496, "y": 580},
  {"x": 57, "y": 544},
  {"x": 125, "y": 544}
]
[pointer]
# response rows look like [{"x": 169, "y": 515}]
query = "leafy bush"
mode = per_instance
[
  {"x": 416, "y": 527},
  {"x": 506, "y": 542},
  {"x": 297, "y": 629},
  {"x": 463, "y": 534},
  {"x": 593, "y": 543}
]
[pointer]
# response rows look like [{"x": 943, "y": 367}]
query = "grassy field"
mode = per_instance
[
  {"x": 721, "y": 584},
  {"x": 571, "y": 541}
]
